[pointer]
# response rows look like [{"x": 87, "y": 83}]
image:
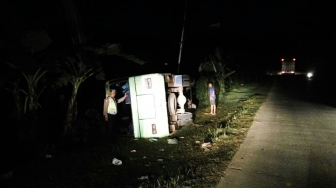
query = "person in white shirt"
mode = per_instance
[{"x": 110, "y": 112}]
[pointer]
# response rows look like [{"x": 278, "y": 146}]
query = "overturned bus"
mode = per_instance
[{"x": 155, "y": 103}]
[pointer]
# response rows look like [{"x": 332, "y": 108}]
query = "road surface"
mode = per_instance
[{"x": 292, "y": 142}]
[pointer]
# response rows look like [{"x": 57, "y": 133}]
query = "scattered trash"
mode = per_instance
[
  {"x": 160, "y": 160},
  {"x": 181, "y": 137},
  {"x": 144, "y": 157},
  {"x": 172, "y": 141},
  {"x": 143, "y": 178},
  {"x": 152, "y": 139},
  {"x": 116, "y": 162},
  {"x": 133, "y": 151},
  {"x": 206, "y": 145},
  {"x": 197, "y": 142},
  {"x": 161, "y": 149}
]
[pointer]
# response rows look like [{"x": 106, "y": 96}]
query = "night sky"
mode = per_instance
[{"x": 259, "y": 32}]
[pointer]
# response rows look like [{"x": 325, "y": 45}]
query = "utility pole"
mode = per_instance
[{"x": 181, "y": 43}]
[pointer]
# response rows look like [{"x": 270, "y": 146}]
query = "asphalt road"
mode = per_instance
[{"x": 292, "y": 142}]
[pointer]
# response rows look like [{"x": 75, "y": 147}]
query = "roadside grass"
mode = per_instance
[
  {"x": 221, "y": 137},
  {"x": 199, "y": 158}
]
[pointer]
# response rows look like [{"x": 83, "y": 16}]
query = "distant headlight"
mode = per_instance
[{"x": 309, "y": 74}]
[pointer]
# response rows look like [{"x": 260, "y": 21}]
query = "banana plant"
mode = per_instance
[
  {"x": 33, "y": 95},
  {"x": 217, "y": 64},
  {"x": 75, "y": 73},
  {"x": 85, "y": 64}
]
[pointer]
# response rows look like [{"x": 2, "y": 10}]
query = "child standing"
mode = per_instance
[{"x": 212, "y": 95}]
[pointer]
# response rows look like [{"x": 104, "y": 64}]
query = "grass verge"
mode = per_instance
[{"x": 199, "y": 159}]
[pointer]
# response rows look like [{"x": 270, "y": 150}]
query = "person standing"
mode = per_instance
[
  {"x": 110, "y": 113},
  {"x": 212, "y": 96}
]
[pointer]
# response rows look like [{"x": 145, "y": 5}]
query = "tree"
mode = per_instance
[
  {"x": 79, "y": 68},
  {"x": 76, "y": 72},
  {"x": 26, "y": 113},
  {"x": 217, "y": 64},
  {"x": 32, "y": 95},
  {"x": 84, "y": 63}
]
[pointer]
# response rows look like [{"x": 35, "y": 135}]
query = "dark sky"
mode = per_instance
[{"x": 152, "y": 29}]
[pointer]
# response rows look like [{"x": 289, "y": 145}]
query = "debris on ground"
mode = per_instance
[
  {"x": 116, "y": 162},
  {"x": 206, "y": 145},
  {"x": 172, "y": 141},
  {"x": 143, "y": 178},
  {"x": 152, "y": 139}
]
